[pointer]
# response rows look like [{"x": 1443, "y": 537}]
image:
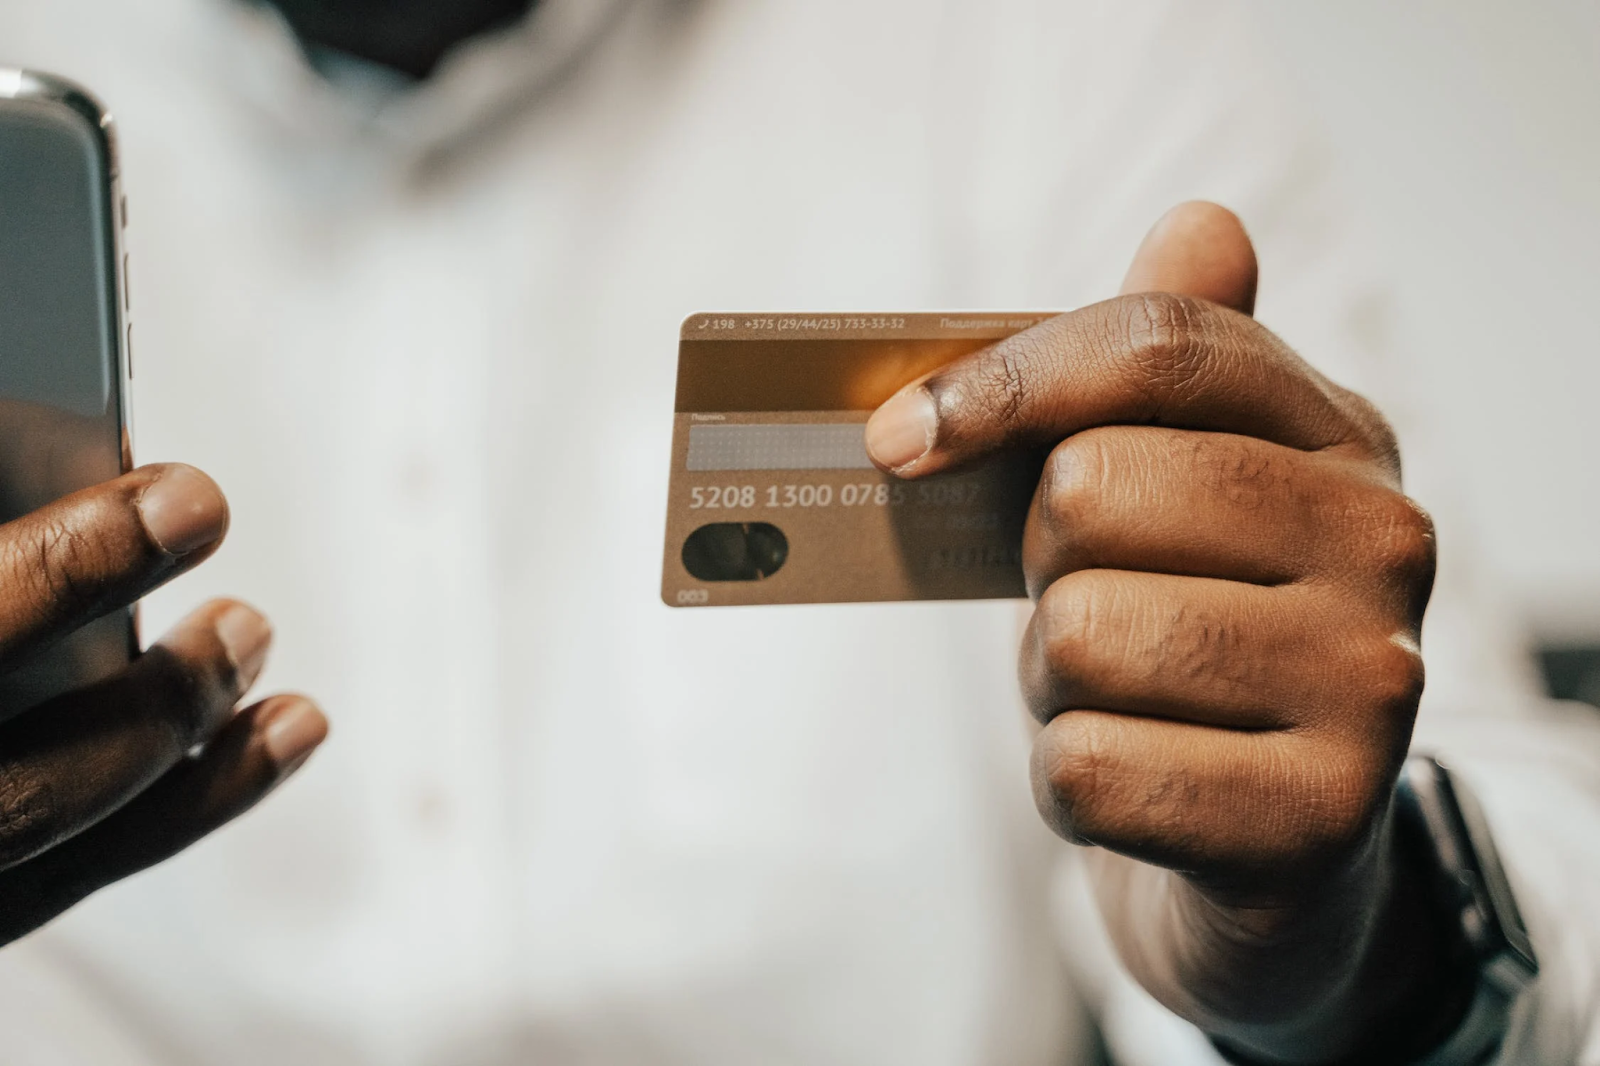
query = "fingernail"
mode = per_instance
[
  {"x": 245, "y": 635},
  {"x": 293, "y": 732},
  {"x": 183, "y": 510},
  {"x": 902, "y": 430}
]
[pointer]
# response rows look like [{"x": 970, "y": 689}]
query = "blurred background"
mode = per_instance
[{"x": 1470, "y": 132}]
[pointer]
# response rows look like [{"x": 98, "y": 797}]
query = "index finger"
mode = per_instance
[{"x": 1149, "y": 358}]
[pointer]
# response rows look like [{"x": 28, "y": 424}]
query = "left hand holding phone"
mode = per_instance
[{"x": 103, "y": 782}]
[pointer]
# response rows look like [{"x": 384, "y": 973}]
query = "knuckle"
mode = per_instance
[
  {"x": 55, "y": 564},
  {"x": 1164, "y": 341},
  {"x": 996, "y": 389},
  {"x": 1072, "y": 616},
  {"x": 175, "y": 696},
  {"x": 63, "y": 553},
  {"x": 189, "y": 716},
  {"x": 1395, "y": 676},
  {"x": 41, "y": 560},
  {"x": 1382, "y": 676},
  {"x": 1071, "y": 486},
  {"x": 1372, "y": 428},
  {"x": 1071, "y": 763},
  {"x": 28, "y": 810},
  {"x": 1007, "y": 381},
  {"x": 1404, "y": 544},
  {"x": 1001, "y": 384}
]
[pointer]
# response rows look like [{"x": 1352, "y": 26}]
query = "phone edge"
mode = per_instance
[{"x": 24, "y": 84}]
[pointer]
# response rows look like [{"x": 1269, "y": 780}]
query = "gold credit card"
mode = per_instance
[{"x": 772, "y": 496}]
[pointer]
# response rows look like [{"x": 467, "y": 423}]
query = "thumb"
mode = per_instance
[{"x": 1197, "y": 249}]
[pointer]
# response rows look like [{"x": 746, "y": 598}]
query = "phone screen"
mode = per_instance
[{"x": 61, "y": 418}]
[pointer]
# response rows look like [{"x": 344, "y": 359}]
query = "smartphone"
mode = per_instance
[{"x": 64, "y": 341}]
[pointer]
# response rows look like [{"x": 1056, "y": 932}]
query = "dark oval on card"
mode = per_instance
[{"x": 735, "y": 551}]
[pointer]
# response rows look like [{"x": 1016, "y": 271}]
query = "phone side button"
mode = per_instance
[{"x": 129, "y": 349}]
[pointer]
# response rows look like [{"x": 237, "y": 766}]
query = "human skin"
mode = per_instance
[
  {"x": 103, "y": 782},
  {"x": 1223, "y": 655}
]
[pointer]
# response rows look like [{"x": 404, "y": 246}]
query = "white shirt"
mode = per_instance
[{"x": 425, "y": 340}]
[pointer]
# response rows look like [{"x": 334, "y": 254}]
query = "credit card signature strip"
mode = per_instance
[{"x": 778, "y": 446}]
